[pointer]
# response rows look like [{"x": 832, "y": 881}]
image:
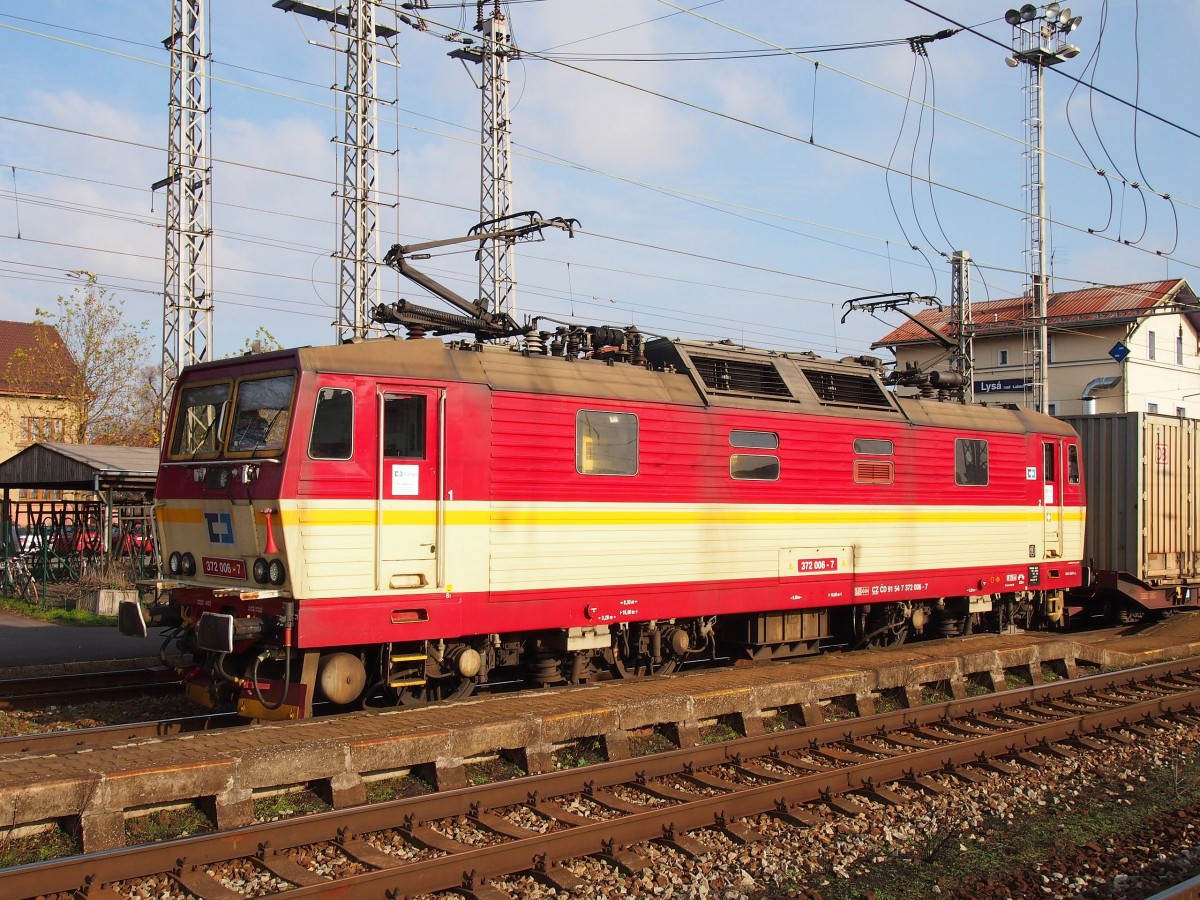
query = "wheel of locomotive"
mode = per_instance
[
  {"x": 452, "y": 675},
  {"x": 435, "y": 690},
  {"x": 644, "y": 653},
  {"x": 886, "y": 625}
]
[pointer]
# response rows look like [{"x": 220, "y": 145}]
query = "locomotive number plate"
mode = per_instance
[
  {"x": 826, "y": 564},
  {"x": 224, "y": 568}
]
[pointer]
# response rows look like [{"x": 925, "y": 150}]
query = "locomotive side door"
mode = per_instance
[
  {"x": 1052, "y": 497},
  {"x": 409, "y": 512}
]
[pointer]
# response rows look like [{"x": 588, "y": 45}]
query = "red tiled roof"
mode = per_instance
[
  {"x": 30, "y": 341},
  {"x": 1101, "y": 305}
]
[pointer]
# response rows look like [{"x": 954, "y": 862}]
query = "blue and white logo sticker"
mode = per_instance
[{"x": 220, "y": 527}]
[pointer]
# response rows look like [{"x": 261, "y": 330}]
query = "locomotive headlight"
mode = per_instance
[
  {"x": 175, "y": 563},
  {"x": 188, "y": 564},
  {"x": 275, "y": 571},
  {"x": 260, "y": 570},
  {"x": 222, "y": 477}
]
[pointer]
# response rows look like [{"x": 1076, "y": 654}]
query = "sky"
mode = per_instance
[{"x": 734, "y": 176}]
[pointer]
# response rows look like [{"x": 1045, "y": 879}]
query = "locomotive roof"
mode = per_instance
[{"x": 686, "y": 372}]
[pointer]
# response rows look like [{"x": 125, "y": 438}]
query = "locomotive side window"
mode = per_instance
[
  {"x": 750, "y": 467},
  {"x": 606, "y": 443},
  {"x": 200, "y": 420},
  {"x": 1049, "y": 470},
  {"x": 754, "y": 440},
  {"x": 262, "y": 413},
  {"x": 970, "y": 462},
  {"x": 404, "y": 427},
  {"x": 873, "y": 447},
  {"x": 333, "y": 425},
  {"x": 1073, "y": 464}
]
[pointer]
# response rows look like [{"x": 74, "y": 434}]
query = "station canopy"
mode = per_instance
[{"x": 81, "y": 467}]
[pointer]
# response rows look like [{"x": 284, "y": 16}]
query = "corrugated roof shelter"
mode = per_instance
[{"x": 81, "y": 467}]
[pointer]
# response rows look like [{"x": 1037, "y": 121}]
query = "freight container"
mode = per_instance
[{"x": 1142, "y": 539}]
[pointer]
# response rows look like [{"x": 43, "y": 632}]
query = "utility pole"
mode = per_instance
[
  {"x": 497, "y": 280},
  {"x": 1039, "y": 40},
  {"x": 358, "y": 254},
  {"x": 187, "y": 278},
  {"x": 963, "y": 361}
]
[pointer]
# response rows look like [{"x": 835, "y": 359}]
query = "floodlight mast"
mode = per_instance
[{"x": 1039, "y": 41}]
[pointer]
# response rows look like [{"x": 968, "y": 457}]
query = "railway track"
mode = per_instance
[
  {"x": 80, "y": 739},
  {"x": 462, "y": 839},
  {"x": 57, "y": 690}
]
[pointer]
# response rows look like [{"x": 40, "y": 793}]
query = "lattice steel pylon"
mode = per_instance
[
  {"x": 963, "y": 359},
  {"x": 187, "y": 279},
  {"x": 358, "y": 258},
  {"x": 358, "y": 253},
  {"x": 497, "y": 278}
]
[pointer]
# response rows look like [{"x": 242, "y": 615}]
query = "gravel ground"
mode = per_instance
[{"x": 1118, "y": 823}]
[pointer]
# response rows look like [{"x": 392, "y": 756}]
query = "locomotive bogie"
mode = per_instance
[{"x": 428, "y": 517}]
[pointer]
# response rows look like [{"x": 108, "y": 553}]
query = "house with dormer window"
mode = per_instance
[{"x": 1111, "y": 349}]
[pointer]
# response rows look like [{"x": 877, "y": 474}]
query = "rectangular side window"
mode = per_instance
[
  {"x": 873, "y": 447},
  {"x": 1150, "y": 345},
  {"x": 1049, "y": 468},
  {"x": 751, "y": 467},
  {"x": 970, "y": 461},
  {"x": 606, "y": 443},
  {"x": 404, "y": 427},
  {"x": 1073, "y": 464},
  {"x": 333, "y": 425},
  {"x": 1004, "y": 357},
  {"x": 754, "y": 440}
]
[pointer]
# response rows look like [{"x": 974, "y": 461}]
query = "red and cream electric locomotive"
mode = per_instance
[
  {"x": 405, "y": 518},
  {"x": 392, "y": 521}
]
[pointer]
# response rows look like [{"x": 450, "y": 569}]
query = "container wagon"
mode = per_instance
[{"x": 1142, "y": 538}]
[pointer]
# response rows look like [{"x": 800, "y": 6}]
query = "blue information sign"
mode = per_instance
[{"x": 1119, "y": 351}]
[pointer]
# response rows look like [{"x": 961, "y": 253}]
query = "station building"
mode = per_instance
[{"x": 1113, "y": 349}]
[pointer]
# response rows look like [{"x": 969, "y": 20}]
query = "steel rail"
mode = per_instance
[
  {"x": 33, "y": 693},
  {"x": 1038, "y": 717},
  {"x": 79, "y": 739}
]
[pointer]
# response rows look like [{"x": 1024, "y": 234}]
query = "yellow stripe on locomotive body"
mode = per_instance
[{"x": 330, "y": 547}]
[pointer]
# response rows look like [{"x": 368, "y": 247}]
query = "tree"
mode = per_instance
[{"x": 105, "y": 387}]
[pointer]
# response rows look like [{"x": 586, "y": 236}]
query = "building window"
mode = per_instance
[
  {"x": 1149, "y": 345},
  {"x": 1004, "y": 357},
  {"x": 606, "y": 443},
  {"x": 1152, "y": 407},
  {"x": 1181, "y": 412},
  {"x": 1053, "y": 407},
  {"x": 35, "y": 430},
  {"x": 1050, "y": 348}
]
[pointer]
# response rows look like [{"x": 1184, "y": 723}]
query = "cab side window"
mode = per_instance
[
  {"x": 404, "y": 427},
  {"x": 333, "y": 425}
]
